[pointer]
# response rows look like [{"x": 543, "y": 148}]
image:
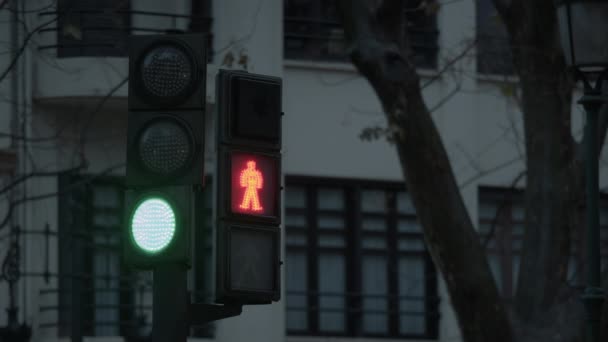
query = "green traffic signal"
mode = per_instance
[{"x": 153, "y": 225}]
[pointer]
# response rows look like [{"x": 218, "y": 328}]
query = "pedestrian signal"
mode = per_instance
[
  {"x": 254, "y": 189},
  {"x": 249, "y": 187}
]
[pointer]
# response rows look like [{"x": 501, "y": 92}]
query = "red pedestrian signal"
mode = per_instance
[
  {"x": 254, "y": 184},
  {"x": 251, "y": 179}
]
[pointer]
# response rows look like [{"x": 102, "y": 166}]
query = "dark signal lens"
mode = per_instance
[
  {"x": 254, "y": 184},
  {"x": 257, "y": 111},
  {"x": 165, "y": 147},
  {"x": 167, "y": 71},
  {"x": 252, "y": 259}
]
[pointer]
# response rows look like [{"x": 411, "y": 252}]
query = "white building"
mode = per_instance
[{"x": 355, "y": 265}]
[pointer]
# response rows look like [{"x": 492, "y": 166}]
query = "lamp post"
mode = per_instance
[{"x": 583, "y": 28}]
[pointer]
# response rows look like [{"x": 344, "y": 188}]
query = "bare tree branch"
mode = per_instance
[
  {"x": 13, "y": 204},
  {"x": 501, "y": 207},
  {"x": 34, "y": 174},
  {"x": 450, "y": 64},
  {"x": 24, "y": 44},
  {"x": 84, "y": 131}
]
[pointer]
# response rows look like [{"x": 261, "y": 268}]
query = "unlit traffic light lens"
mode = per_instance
[
  {"x": 167, "y": 71},
  {"x": 165, "y": 147},
  {"x": 153, "y": 225}
]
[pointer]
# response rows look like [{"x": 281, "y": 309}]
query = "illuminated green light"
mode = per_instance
[{"x": 153, "y": 225}]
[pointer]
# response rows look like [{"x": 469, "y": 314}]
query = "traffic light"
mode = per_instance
[
  {"x": 165, "y": 146},
  {"x": 249, "y": 187},
  {"x": 166, "y": 102}
]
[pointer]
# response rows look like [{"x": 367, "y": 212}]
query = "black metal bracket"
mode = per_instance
[{"x": 201, "y": 314}]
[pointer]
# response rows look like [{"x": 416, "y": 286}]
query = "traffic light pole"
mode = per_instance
[{"x": 170, "y": 304}]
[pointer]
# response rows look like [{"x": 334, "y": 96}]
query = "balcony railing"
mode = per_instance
[
  {"x": 320, "y": 39},
  {"x": 81, "y": 33},
  {"x": 369, "y": 310}
]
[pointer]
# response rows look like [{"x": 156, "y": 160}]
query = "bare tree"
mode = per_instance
[{"x": 545, "y": 307}]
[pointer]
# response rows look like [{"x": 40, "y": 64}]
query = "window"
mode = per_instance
[
  {"x": 102, "y": 27},
  {"x": 501, "y": 227},
  {"x": 313, "y": 32},
  {"x": 493, "y": 49},
  {"x": 356, "y": 262},
  {"x": 95, "y": 290},
  {"x": 93, "y": 27}
]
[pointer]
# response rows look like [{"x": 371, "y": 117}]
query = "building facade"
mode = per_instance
[{"x": 355, "y": 265}]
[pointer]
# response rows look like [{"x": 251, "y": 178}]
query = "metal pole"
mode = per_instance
[
  {"x": 170, "y": 304},
  {"x": 594, "y": 295}
]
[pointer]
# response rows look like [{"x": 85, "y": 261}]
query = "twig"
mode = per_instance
[
  {"x": 486, "y": 172},
  {"x": 71, "y": 187},
  {"x": 499, "y": 210},
  {"x": 23, "y": 46},
  {"x": 92, "y": 115},
  {"x": 449, "y": 64}
]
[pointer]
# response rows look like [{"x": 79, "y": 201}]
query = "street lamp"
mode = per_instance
[{"x": 583, "y": 28}]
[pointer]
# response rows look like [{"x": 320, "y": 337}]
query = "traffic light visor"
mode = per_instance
[{"x": 153, "y": 224}]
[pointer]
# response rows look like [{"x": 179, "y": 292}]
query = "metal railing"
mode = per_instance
[
  {"x": 78, "y": 35},
  {"x": 429, "y": 310},
  {"x": 321, "y": 39}
]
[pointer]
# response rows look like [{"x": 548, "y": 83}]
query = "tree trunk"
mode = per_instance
[
  {"x": 555, "y": 191},
  {"x": 376, "y": 34},
  {"x": 545, "y": 307}
]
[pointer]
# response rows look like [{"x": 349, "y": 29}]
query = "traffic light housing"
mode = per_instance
[
  {"x": 165, "y": 146},
  {"x": 249, "y": 187}
]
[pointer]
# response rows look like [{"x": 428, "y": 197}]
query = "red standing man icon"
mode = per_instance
[{"x": 251, "y": 179}]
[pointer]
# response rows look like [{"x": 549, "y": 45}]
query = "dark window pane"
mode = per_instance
[
  {"x": 374, "y": 243},
  {"x": 329, "y": 221},
  {"x": 373, "y": 201},
  {"x": 412, "y": 282},
  {"x": 331, "y": 199},
  {"x": 296, "y": 279},
  {"x": 313, "y": 31},
  {"x": 493, "y": 50},
  {"x": 332, "y": 280},
  {"x": 295, "y": 197},
  {"x": 408, "y": 226},
  {"x": 375, "y": 292},
  {"x": 93, "y": 28},
  {"x": 332, "y": 240},
  {"x": 295, "y": 221},
  {"x": 404, "y": 204},
  {"x": 373, "y": 224}
]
